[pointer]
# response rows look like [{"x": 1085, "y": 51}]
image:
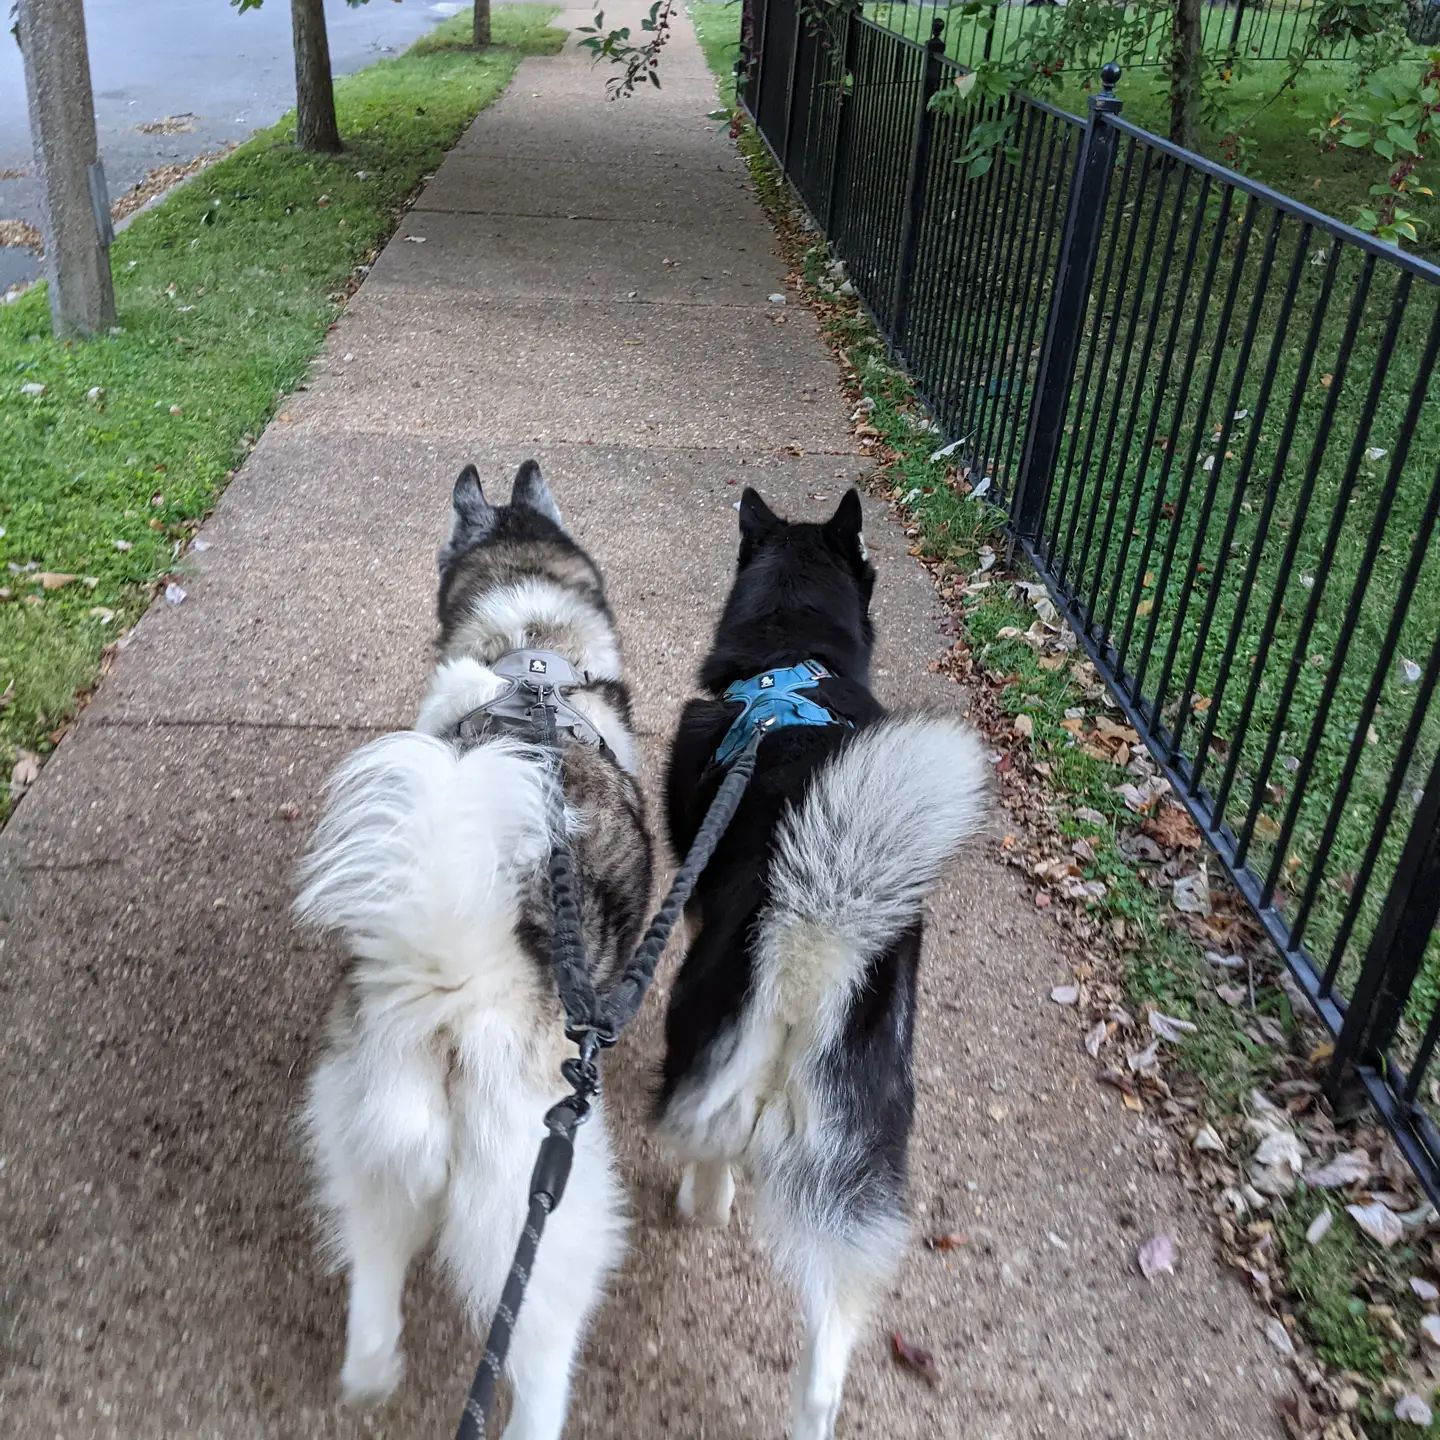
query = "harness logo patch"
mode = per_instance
[
  {"x": 767, "y": 682},
  {"x": 537, "y": 667}
]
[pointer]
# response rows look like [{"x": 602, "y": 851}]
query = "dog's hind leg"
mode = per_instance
[
  {"x": 381, "y": 1136},
  {"x": 838, "y": 1274},
  {"x": 832, "y": 1322},
  {"x": 707, "y": 1190}
]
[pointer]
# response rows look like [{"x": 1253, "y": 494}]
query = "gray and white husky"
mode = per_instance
[{"x": 446, "y": 1037}]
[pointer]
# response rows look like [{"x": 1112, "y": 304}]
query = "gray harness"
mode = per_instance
[{"x": 532, "y": 676}]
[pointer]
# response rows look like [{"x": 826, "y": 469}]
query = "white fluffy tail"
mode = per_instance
[
  {"x": 856, "y": 857},
  {"x": 424, "y": 852}
]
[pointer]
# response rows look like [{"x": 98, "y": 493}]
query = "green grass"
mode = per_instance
[
  {"x": 224, "y": 294},
  {"x": 718, "y": 26}
]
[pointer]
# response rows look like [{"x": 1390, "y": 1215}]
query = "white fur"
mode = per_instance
[
  {"x": 512, "y": 615},
  {"x": 426, "y": 1109},
  {"x": 853, "y": 862}
]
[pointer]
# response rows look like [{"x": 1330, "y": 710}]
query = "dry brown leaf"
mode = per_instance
[
  {"x": 52, "y": 580},
  {"x": 914, "y": 1358},
  {"x": 949, "y": 1240},
  {"x": 1172, "y": 827}
]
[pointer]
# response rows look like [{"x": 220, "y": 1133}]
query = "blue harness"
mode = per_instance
[{"x": 773, "y": 701}]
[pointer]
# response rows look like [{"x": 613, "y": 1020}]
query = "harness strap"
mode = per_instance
[
  {"x": 774, "y": 700},
  {"x": 529, "y": 673}
]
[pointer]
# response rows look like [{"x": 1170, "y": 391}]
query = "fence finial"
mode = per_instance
[
  {"x": 937, "y": 29},
  {"x": 1110, "y": 73}
]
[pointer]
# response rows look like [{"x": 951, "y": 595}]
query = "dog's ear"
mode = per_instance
[
  {"x": 757, "y": 519},
  {"x": 845, "y": 528},
  {"x": 474, "y": 515},
  {"x": 532, "y": 491}
]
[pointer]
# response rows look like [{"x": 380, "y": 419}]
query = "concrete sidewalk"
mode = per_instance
[{"x": 593, "y": 290}]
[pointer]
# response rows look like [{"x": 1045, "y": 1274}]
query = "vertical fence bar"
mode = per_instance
[
  {"x": 842, "y": 119},
  {"x": 762, "y": 51},
  {"x": 790, "y": 86},
  {"x": 1397, "y": 947},
  {"x": 1083, "y": 227},
  {"x": 915, "y": 185}
]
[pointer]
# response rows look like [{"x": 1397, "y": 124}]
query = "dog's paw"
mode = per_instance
[
  {"x": 370, "y": 1379},
  {"x": 706, "y": 1194}
]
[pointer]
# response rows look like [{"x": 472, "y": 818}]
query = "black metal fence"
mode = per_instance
[{"x": 1214, "y": 416}]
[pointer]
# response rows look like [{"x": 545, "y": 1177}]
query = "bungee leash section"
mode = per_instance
[{"x": 592, "y": 1022}]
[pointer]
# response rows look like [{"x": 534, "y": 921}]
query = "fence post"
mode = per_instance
[
  {"x": 760, "y": 49},
  {"x": 1235, "y": 29},
  {"x": 1084, "y": 226},
  {"x": 842, "y": 119},
  {"x": 1397, "y": 948},
  {"x": 790, "y": 86},
  {"x": 915, "y": 185}
]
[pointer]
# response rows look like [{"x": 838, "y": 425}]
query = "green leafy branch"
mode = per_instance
[{"x": 639, "y": 61}]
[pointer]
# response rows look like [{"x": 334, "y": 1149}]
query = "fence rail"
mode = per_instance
[{"x": 1214, "y": 416}]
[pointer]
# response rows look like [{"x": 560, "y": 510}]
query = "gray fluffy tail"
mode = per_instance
[{"x": 857, "y": 856}]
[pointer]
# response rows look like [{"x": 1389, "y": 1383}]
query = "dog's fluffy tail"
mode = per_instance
[
  {"x": 425, "y": 852},
  {"x": 856, "y": 857}
]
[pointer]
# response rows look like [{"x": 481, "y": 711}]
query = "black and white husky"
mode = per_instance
[
  {"x": 788, "y": 1036},
  {"x": 446, "y": 1036}
]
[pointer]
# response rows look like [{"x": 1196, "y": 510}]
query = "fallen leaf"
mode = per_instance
[
  {"x": 1192, "y": 893},
  {"x": 1171, "y": 826},
  {"x": 1379, "y": 1222},
  {"x": 288, "y": 812},
  {"x": 1409, "y": 671},
  {"x": 415, "y": 239},
  {"x": 1065, "y": 994},
  {"x": 1167, "y": 1027},
  {"x": 1096, "y": 1037},
  {"x": 1144, "y": 1059},
  {"x": 1279, "y": 1336},
  {"x": 52, "y": 580},
  {"x": 1320, "y": 1227},
  {"x": 1280, "y": 1158},
  {"x": 1413, "y": 1410},
  {"x": 174, "y": 593},
  {"x": 1430, "y": 1329},
  {"x": 914, "y": 1358},
  {"x": 1207, "y": 1139},
  {"x": 1347, "y": 1169},
  {"x": 1232, "y": 995},
  {"x": 26, "y": 770},
  {"x": 1424, "y": 1289},
  {"x": 1157, "y": 1256},
  {"x": 950, "y": 1240},
  {"x": 1024, "y": 726}
]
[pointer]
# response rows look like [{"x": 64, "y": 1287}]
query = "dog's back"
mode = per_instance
[
  {"x": 446, "y": 1037},
  {"x": 789, "y": 1032}
]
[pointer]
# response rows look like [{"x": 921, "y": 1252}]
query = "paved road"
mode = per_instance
[
  {"x": 593, "y": 290},
  {"x": 150, "y": 59}
]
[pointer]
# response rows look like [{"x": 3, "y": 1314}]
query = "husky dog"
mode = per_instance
[
  {"x": 446, "y": 1037},
  {"x": 788, "y": 1035}
]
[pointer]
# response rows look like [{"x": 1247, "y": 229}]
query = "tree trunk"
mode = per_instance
[
  {"x": 482, "y": 24},
  {"x": 315, "y": 125},
  {"x": 1185, "y": 62}
]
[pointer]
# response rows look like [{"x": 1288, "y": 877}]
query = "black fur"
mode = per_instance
[{"x": 801, "y": 591}]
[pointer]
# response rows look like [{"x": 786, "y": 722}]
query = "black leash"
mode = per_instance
[{"x": 593, "y": 1024}]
